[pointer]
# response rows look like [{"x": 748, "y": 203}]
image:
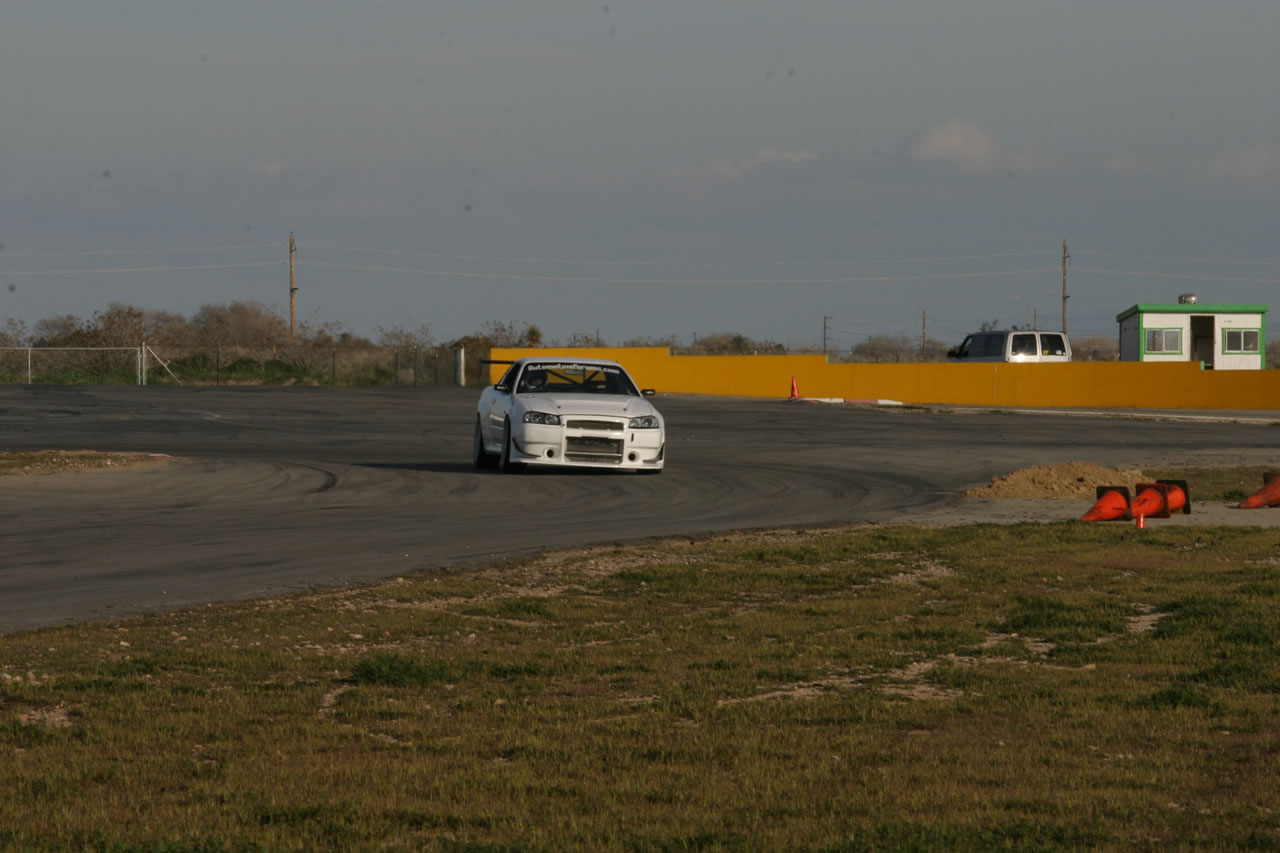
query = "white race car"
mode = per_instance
[{"x": 584, "y": 412}]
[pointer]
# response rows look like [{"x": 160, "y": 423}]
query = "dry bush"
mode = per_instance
[
  {"x": 732, "y": 343},
  {"x": 242, "y": 323},
  {"x": 402, "y": 338},
  {"x": 119, "y": 325},
  {"x": 14, "y": 333},
  {"x": 1095, "y": 348},
  {"x": 897, "y": 348}
]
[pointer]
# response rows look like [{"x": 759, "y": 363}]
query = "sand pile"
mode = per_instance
[{"x": 1069, "y": 480}]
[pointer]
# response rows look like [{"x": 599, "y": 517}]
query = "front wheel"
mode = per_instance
[
  {"x": 505, "y": 462},
  {"x": 480, "y": 457}
]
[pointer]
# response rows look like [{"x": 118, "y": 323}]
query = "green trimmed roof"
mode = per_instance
[{"x": 1181, "y": 308}]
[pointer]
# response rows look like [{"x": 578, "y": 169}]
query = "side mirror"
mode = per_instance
[
  {"x": 505, "y": 389},
  {"x": 648, "y": 392},
  {"x": 954, "y": 352}
]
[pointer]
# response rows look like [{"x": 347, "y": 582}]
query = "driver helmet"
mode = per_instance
[{"x": 535, "y": 378}]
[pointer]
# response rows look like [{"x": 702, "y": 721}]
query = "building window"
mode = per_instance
[
  {"x": 1240, "y": 341},
  {"x": 1164, "y": 340}
]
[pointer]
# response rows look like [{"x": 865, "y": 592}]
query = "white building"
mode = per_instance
[{"x": 1222, "y": 337}]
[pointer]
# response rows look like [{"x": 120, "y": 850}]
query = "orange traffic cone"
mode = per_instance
[
  {"x": 1268, "y": 495},
  {"x": 1113, "y": 503},
  {"x": 795, "y": 389},
  {"x": 1141, "y": 523},
  {"x": 1158, "y": 499}
]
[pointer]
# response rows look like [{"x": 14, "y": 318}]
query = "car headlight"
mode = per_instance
[
  {"x": 644, "y": 422},
  {"x": 541, "y": 418}
]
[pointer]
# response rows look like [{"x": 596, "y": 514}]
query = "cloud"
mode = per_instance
[
  {"x": 732, "y": 170},
  {"x": 1252, "y": 167},
  {"x": 967, "y": 148},
  {"x": 1128, "y": 166}
]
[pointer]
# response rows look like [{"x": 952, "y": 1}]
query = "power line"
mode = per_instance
[
  {"x": 657, "y": 281},
  {"x": 82, "y": 271},
  {"x": 585, "y": 262},
  {"x": 73, "y": 252},
  {"x": 1178, "y": 275},
  {"x": 1177, "y": 260}
]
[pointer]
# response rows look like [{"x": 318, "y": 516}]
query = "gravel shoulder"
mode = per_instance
[{"x": 44, "y": 462}]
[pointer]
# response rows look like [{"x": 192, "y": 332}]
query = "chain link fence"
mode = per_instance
[
  {"x": 71, "y": 366},
  {"x": 170, "y": 364}
]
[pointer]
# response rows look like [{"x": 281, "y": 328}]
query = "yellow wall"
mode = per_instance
[{"x": 1179, "y": 385}]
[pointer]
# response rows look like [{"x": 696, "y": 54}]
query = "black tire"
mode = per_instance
[
  {"x": 505, "y": 462},
  {"x": 480, "y": 457}
]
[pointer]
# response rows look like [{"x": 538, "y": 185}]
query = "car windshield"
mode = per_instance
[{"x": 575, "y": 378}]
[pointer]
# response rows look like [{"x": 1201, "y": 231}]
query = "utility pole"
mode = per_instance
[
  {"x": 924, "y": 325},
  {"x": 293, "y": 291},
  {"x": 1066, "y": 256},
  {"x": 825, "y": 320}
]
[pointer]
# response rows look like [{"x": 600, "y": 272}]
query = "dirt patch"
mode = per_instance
[
  {"x": 57, "y": 718},
  {"x": 1047, "y": 493},
  {"x": 64, "y": 461},
  {"x": 1069, "y": 480}
]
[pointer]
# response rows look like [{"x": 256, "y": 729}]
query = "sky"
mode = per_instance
[{"x": 641, "y": 169}]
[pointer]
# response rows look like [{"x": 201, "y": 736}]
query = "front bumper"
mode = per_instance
[{"x": 589, "y": 442}]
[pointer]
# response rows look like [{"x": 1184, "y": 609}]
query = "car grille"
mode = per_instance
[
  {"x": 595, "y": 426},
  {"x": 585, "y": 448}
]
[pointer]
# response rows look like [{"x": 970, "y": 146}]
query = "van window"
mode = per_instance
[
  {"x": 1052, "y": 344},
  {"x": 988, "y": 344},
  {"x": 1024, "y": 345}
]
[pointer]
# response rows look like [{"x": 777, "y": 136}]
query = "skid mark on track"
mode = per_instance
[{"x": 328, "y": 481}]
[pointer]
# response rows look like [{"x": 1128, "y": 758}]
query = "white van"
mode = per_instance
[{"x": 1025, "y": 345}]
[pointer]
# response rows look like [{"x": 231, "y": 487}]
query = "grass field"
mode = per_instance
[{"x": 1031, "y": 687}]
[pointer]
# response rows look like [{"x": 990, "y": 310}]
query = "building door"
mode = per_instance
[{"x": 1203, "y": 339}]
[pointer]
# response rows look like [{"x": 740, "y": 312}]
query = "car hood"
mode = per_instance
[{"x": 630, "y": 407}]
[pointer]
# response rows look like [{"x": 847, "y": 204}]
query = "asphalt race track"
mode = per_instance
[{"x": 285, "y": 489}]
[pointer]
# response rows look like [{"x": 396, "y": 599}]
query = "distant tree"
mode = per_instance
[
  {"x": 508, "y": 334},
  {"x": 500, "y": 334},
  {"x": 1095, "y": 348},
  {"x": 1273, "y": 354},
  {"x": 583, "y": 339},
  {"x": 119, "y": 325},
  {"x": 897, "y": 348},
  {"x": 329, "y": 334},
  {"x": 123, "y": 325},
  {"x": 733, "y": 343},
  {"x": 669, "y": 342},
  {"x": 240, "y": 323},
  {"x": 62, "y": 330},
  {"x": 472, "y": 343},
  {"x": 934, "y": 350},
  {"x": 402, "y": 338},
  {"x": 14, "y": 333},
  {"x": 989, "y": 325}
]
